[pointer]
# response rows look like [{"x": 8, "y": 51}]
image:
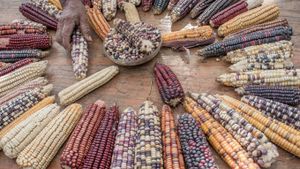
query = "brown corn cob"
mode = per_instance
[
  {"x": 171, "y": 4},
  {"x": 182, "y": 8},
  {"x": 17, "y": 55},
  {"x": 56, "y": 3},
  {"x": 131, "y": 12},
  {"x": 147, "y": 4},
  {"x": 249, "y": 18},
  {"x": 200, "y": 7},
  {"x": 46, "y": 6},
  {"x": 81, "y": 138},
  {"x": 14, "y": 66},
  {"x": 101, "y": 150},
  {"x": 159, "y": 6},
  {"x": 39, "y": 153},
  {"x": 168, "y": 85},
  {"x": 109, "y": 9},
  {"x": 172, "y": 153}
]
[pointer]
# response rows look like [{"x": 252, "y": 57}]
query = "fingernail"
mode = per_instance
[{"x": 89, "y": 38}]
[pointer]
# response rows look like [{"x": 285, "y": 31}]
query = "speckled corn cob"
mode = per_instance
[
  {"x": 27, "y": 22},
  {"x": 46, "y": 6},
  {"x": 109, "y": 9},
  {"x": 222, "y": 141},
  {"x": 101, "y": 150},
  {"x": 284, "y": 136},
  {"x": 56, "y": 3},
  {"x": 159, "y": 6},
  {"x": 172, "y": 153},
  {"x": 98, "y": 22},
  {"x": 39, "y": 153},
  {"x": 249, "y": 18},
  {"x": 16, "y": 28},
  {"x": 20, "y": 136},
  {"x": 85, "y": 86},
  {"x": 182, "y": 8},
  {"x": 131, "y": 12},
  {"x": 148, "y": 150},
  {"x": 14, "y": 66},
  {"x": 251, "y": 39},
  {"x": 168, "y": 85},
  {"x": 200, "y": 7},
  {"x": 17, "y": 55},
  {"x": 123, "y": 155},
  {"x": 147, "y": 4},
  {"x": 82, "y": 137}
]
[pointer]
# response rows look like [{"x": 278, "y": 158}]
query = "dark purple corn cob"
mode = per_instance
[
  {"x": 38, "y": 15},
  {"x": 200, "y": 7},
  {"x": 182, "y": 8},
  {"x": 147, "y": 4},
  {"x": 101, "y": 150},
  {"x": 14, "y": 66},
  {"x": 17, "y": 55},
  {"x": 251, "y": 39},
  {"x": 168, "y": 85},
  {"x": 195, "y": 148}
]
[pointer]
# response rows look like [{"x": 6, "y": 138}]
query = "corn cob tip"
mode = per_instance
[
  {"x": 45, "y": 53},
  {"x": 240, "y": 90},
  {"x": 100, "y": 103},
  {"x": 47, "y": 89},
  {"x": 129, "y": 109}
]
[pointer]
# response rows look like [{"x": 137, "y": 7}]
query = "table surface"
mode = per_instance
[{"x": 135, "y": 84}]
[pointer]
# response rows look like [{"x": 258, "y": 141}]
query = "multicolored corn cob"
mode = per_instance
[
  {"x": 17, "y": 55},
  {"x": 124, "y": 151},
  {"x": 85, "y": 86},
  {"x": 200, "y": 7},
  {"x": 27, "y": 22},
  {"x": 253, "y": 17},
  {"x": 39, "y": 153},
  {"x": 171, "y": 4},
  {"x": 147, "y": 4},
  {"x": 46, "y": 6},
  {"x": 56, "y": 3},
  {"x": 148, "y": 149},
  {"x": 168, "y": 85},
  {"x": 251, "y": 39},
  {"x": 16, "y": 28},
  {"x": 101, "y": 150},
  {"x": 182, "y": 8},
  {"x": 109, "y": 9},
  {"x": 159, "y": 6},
  {"x": 14, "y": 66},
  {"x": 131, "y": 12},
  {"x": 82, "y": 137},
  {"x": 172, "y": 153}
]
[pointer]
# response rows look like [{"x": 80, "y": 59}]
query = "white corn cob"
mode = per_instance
[
  {"x": 131, "y": 13},
  {"x": 20, "y": 136},
  {"x": 39, "y": 153},
  {"x": 85, "y": 86},
  {"x": 109, "y": 9}
]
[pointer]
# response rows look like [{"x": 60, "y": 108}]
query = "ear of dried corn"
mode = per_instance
[
  {"x": 182, "y": 8},
  {"x": 131, "y": 12},
  {"x": 159, "y": 6},
  {"x": 200, "y": 7},
  {"x": 56, "y": 3},
  {"x": 4, "y": 64},
  {"x": 109, "y": 9},
  {"x": 17, "y": 55},
  {"x": 14, "y": 66},
  {"x": 18, "y": 28},
  {"x": 47, "y": 7},
  {"x": 27, "y": 22}
]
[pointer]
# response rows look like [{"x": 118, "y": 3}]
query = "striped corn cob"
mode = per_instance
[
  {"x": 194, "y": 144},
  {"x": 101, "y": 150},
  {"x": 85, "y": 86},
  {"x": 251, "y": 39},
  {"x": 172, "y": 153},
  {"x": 200, "y": 7},
  {"x": 17, "y": 55},
  {"x": 56, "y": 3},
  {"x": 131, "y": 12},
  {"x": 182, "y": 8},
  {"x": 212, "y": 9},
  {"x": 233, "y": 10},
  {"x": 168, "y": 85},
  {"x": 189, "y": 38},
  {"x": 147, "y": 4},
  {"x": 45, "y": 102},
  {"x": 277, "y": 50},
  {"x": 148, "y": 149},
  {"x": 21, "y": 75},
  {"x": 280, "y": 77},
  {"x": 39, "y": 153},
  {"x": 46, "y": 6},
  {"x": 284, "y": 136},
  {"x": 222, "y": 141},
  {"x": 98, "y": 22},
  {"x": 27, "y": 22},
  {"x": 36, "y": 14},
  {"x": 14, "y": 66},
  {"x": 16, "y": 28},
  {"x": 286, "y": 95},
  {"x": 109, "y": 9},
  {"x": 245, "y": 20},
  {"x": 159, "y": 6},
  {"x": 135, "y": 2},
  {"x": 20, "y": 136},
  {"x": 20, "y": 104},
  {"x": 252, "y": 140},
  {"x": 81, "y": 138},
  {"x": 123, "y": 154}
]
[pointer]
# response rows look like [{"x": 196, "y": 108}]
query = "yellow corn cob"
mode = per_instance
[
  {"x": 39, "y": 153},
  {"x": 131, "y": 12},
  {"x": 20, "y": 136},
  {"x": 56, "y": 3},
  {"x": 253, "y": 17},
  {"x": 201, "y": 31},
  {"x": 85, "y": 86}
]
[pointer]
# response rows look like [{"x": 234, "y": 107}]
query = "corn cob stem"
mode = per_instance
[
  {"x": 131, "y": 12},
  {"x": 56, "y": 3},
  {"x": 17, "y": 55},
  {"x": 12, "y": 67},
  {"x": 159, "y": 6},
  {"x": 109, "y": 9},
  {"x": 200, "y": 7},
  {"x": 182, "y": 8}
]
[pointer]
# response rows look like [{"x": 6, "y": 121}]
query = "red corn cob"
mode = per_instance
[
  {"x": 82, "y": 136},
  {"x": 14, "y": 66},
  {"x": 168, "y": 85},
  {"x": 147, "y": 4},
  {"x": 9, "y": 29}
]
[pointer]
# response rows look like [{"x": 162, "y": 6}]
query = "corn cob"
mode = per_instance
[
  {"x": 148, "y": 149},
  {"x": 168, "y": 85},
  {"x": 20, "y": 136},
  {"x": 131, "y": 12},
  {"x": 97, "y": 4},
  {"x": 21, "y": 75},
  {"x": 284, "y": 136},
  {"x": 39, "y": 153},
  {"x": 233, "y": 10},
  {"x": 182, "y": 8},
  {"x": 56, "y": 3},
  {"x": 251, "y": 39},
  {"x": 15, "y": 28},
  {"x": 212, "y": 9},
  {"x": 135, "y": 2},
  {"x": 14, "y": 66},
  {"x": 172, "y": 153},
  {"x": 81, "y": 138},
  {"x": 147, "y": 4},
  {"x": 280, "y": 77},
  {"x": 101, "y": 150},
  {"x": 27, "y": 22},
  {"x": 98, "y": 22},
  {"x": 85, "y": 86},
  {"x": 223, "y": 142},
  {"x": 277, "y": 50},
  {"x": 189, "y": 38},
  {"x": 4, "y": 64},
  {"x": 200, "y": 7},
  {"x": 249, "y": 18},
  {"x": 123, "y": 154},
  {"x": 159, "y": 6},
  {"x": 19, "y": 105},
  {"x": 171, "y": 4},
  {"x": 109, "y": 9},
  {"x": 194, "y": 144},
  {"x": 38, "y": 106},
  {"x": 38, "y": 15},
  {"x": 46, "y": 6},
  {"x": 17, "y": 55}
]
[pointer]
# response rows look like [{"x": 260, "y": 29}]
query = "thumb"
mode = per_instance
[{"x": 85, "y": 28}]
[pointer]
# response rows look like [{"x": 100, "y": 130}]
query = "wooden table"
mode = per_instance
[{"x": 135, "y": 84}]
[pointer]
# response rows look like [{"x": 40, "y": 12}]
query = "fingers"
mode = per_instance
[
  {"x": 58, "y": 35},
  {"x": 67, "y": 31},
  {"x": 85, "y": 28}
]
